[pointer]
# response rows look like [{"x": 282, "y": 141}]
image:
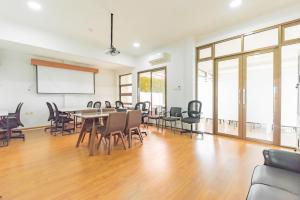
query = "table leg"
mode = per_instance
[
  {"x": 93, "y": 138},
  {"x": 83, "y": 129}
]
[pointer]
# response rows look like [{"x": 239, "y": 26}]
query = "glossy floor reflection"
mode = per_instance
[{"x": 167, "y": 166}]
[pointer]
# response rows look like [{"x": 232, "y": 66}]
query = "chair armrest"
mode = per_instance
[{"x": 282, "y": 159}]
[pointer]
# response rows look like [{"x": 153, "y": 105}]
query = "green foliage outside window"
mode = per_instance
[{"x": 158, "y": 85}]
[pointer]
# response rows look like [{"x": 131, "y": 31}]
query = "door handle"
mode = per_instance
[{"x": 244, "y": 96}]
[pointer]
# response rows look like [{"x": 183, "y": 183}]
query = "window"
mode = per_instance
[
  {"x": 205, "y": 53},
  {"x": 292, "y": 32},
  {"x": 261, "y": 39},
  {"x": 152, "y": 87},
  {"x": 228, "y": 47},
  {"x": 125, "y": 89}
]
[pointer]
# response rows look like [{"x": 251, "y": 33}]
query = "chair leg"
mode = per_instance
[
  {"x": 181, "y": 128},
  {"x": 140, "y": 135},
  {"x": 82, "y": 139},
  {"x": 122, "y": 138},
  {"x": 129, "y": 138},
  {"x": 191, "y": 130},
  {"x": 110, "y": 144},
  {"x": 99, "y": 143}
]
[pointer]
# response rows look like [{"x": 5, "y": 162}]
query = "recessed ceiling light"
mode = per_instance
[
  {"x": 34, "y": 5},
  {"x": 235, "y": 3},
  {"x": 136, "y": 45}
]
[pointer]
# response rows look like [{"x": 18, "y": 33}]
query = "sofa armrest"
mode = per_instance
[{"x": 282, "y": 159}]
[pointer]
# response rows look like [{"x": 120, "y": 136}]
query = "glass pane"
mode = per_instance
[
  {"x": 292, "y": 32},
  {"x": 205, "y": 94},
  {"x": 228, "y": 96},
  {"x": 290, "y": 121},
  {"x": 126, "y": 79},
  {"x": 228, "y": 47},
  {"x": 158, "y": 89},
  {"x": 261, "y": 39},
  {"x": 205, "y": 53},
  {"x": 126, "y": 89},
  {"x": 145, "y": 86},
  {"x": 126, "y": 99},
  {"x": 259, "y": 97}
]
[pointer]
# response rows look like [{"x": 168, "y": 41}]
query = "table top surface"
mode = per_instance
[
  {"x": 92, "y": 115},
  {"x": 3, "y": 113},
  {"x": 76, "y": 109}
]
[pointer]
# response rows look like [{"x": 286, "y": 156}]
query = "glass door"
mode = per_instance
[
  {"x": 258, "y": 95},
  {"x": 152, "y": 87},
  {"x": 228, "y": 104}
]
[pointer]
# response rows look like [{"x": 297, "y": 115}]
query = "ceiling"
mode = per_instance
[{"x": 152, "y": 23}]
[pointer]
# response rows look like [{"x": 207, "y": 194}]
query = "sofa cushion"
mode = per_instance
[
  {"x": 264, "y": 192},
  {"x": 280, "y": 178}
]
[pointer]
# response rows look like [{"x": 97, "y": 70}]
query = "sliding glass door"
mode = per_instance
[
  {"x": 259, "y": 96},
  {"x": 152, "y": 87},
  {"x": 228, "y": 87},
  {"x": 245, "y": 96}
]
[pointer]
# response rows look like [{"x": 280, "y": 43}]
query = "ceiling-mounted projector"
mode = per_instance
[{"x": 112, "y": 50}]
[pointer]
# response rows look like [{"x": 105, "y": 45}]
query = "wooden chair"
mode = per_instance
[
  {"x": 115, "y": 126},
  {"x": 133, "y": 123}
]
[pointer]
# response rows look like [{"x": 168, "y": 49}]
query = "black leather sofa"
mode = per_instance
[{"x": 278, "y": 178}]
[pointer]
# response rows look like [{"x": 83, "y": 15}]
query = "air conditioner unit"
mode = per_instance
[{"x": 159, "y": 58}]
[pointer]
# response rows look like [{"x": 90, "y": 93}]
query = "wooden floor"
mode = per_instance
[{"x": 167, "y": 166}]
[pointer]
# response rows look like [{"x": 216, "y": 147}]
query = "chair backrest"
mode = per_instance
[
  {"x": 175, "y": 112},
  {"x": 107, "y": 104},
  {"x": 51, "y": 111},
  {"x": 116, "y": 122},
  {"x": 56, "y": 111},
  {"x": 147, "y": 106},
  {"x": 134, "y": 119},
  {"x": 18, "y": 115},
  {"x": 194, "y": 109},
  {"x": 20, "y": 104},
  {"x": 119, "y": 104},
  {"x": 97, "y": 104},
  {"x": 90, "y": 104},
  {"x": 140, "y": 106}
]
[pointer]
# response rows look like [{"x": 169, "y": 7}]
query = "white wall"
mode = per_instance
[
  {"x": 180, "y": 72},
  {"x": 18, "y": 84}
]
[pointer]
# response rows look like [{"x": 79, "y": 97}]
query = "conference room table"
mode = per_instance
[
  {"x": 73, "y": 110},
  {"x": 90, "y": 118}
]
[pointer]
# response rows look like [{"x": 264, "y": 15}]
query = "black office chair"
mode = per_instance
[
  {"x": 140, "y": 106},
  {"x": 61, "y": 119},
  {"x": 146, "y": 112},
  {"x": 119, "y": 105},
  {"x": 13, "y": 122},
  {"x": 107, "y": 104},
  {"x": 90, "y": 104},
  {"x": 51, "y": 117},
  {"x": 172, "y": 116},
  {"x": 97, "y": 104},
  {"x": 194, "y": 115}
]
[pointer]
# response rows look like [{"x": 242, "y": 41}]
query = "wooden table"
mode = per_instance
[
  {"x": 73, "y": 110},
  {"x": 90, "y": 118}
]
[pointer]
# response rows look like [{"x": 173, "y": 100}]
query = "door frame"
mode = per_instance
[
  {"x": 243, "y": 93},
  {"x": 276, "y": 95}
]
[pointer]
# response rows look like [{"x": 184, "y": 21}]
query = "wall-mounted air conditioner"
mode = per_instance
[{"x": 159, "y": 58}]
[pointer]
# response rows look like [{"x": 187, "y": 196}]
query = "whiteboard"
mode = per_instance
[{"x": 63, "y": 81}]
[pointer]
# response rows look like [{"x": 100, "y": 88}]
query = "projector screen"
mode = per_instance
[{"x": 63, "y": 81}]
